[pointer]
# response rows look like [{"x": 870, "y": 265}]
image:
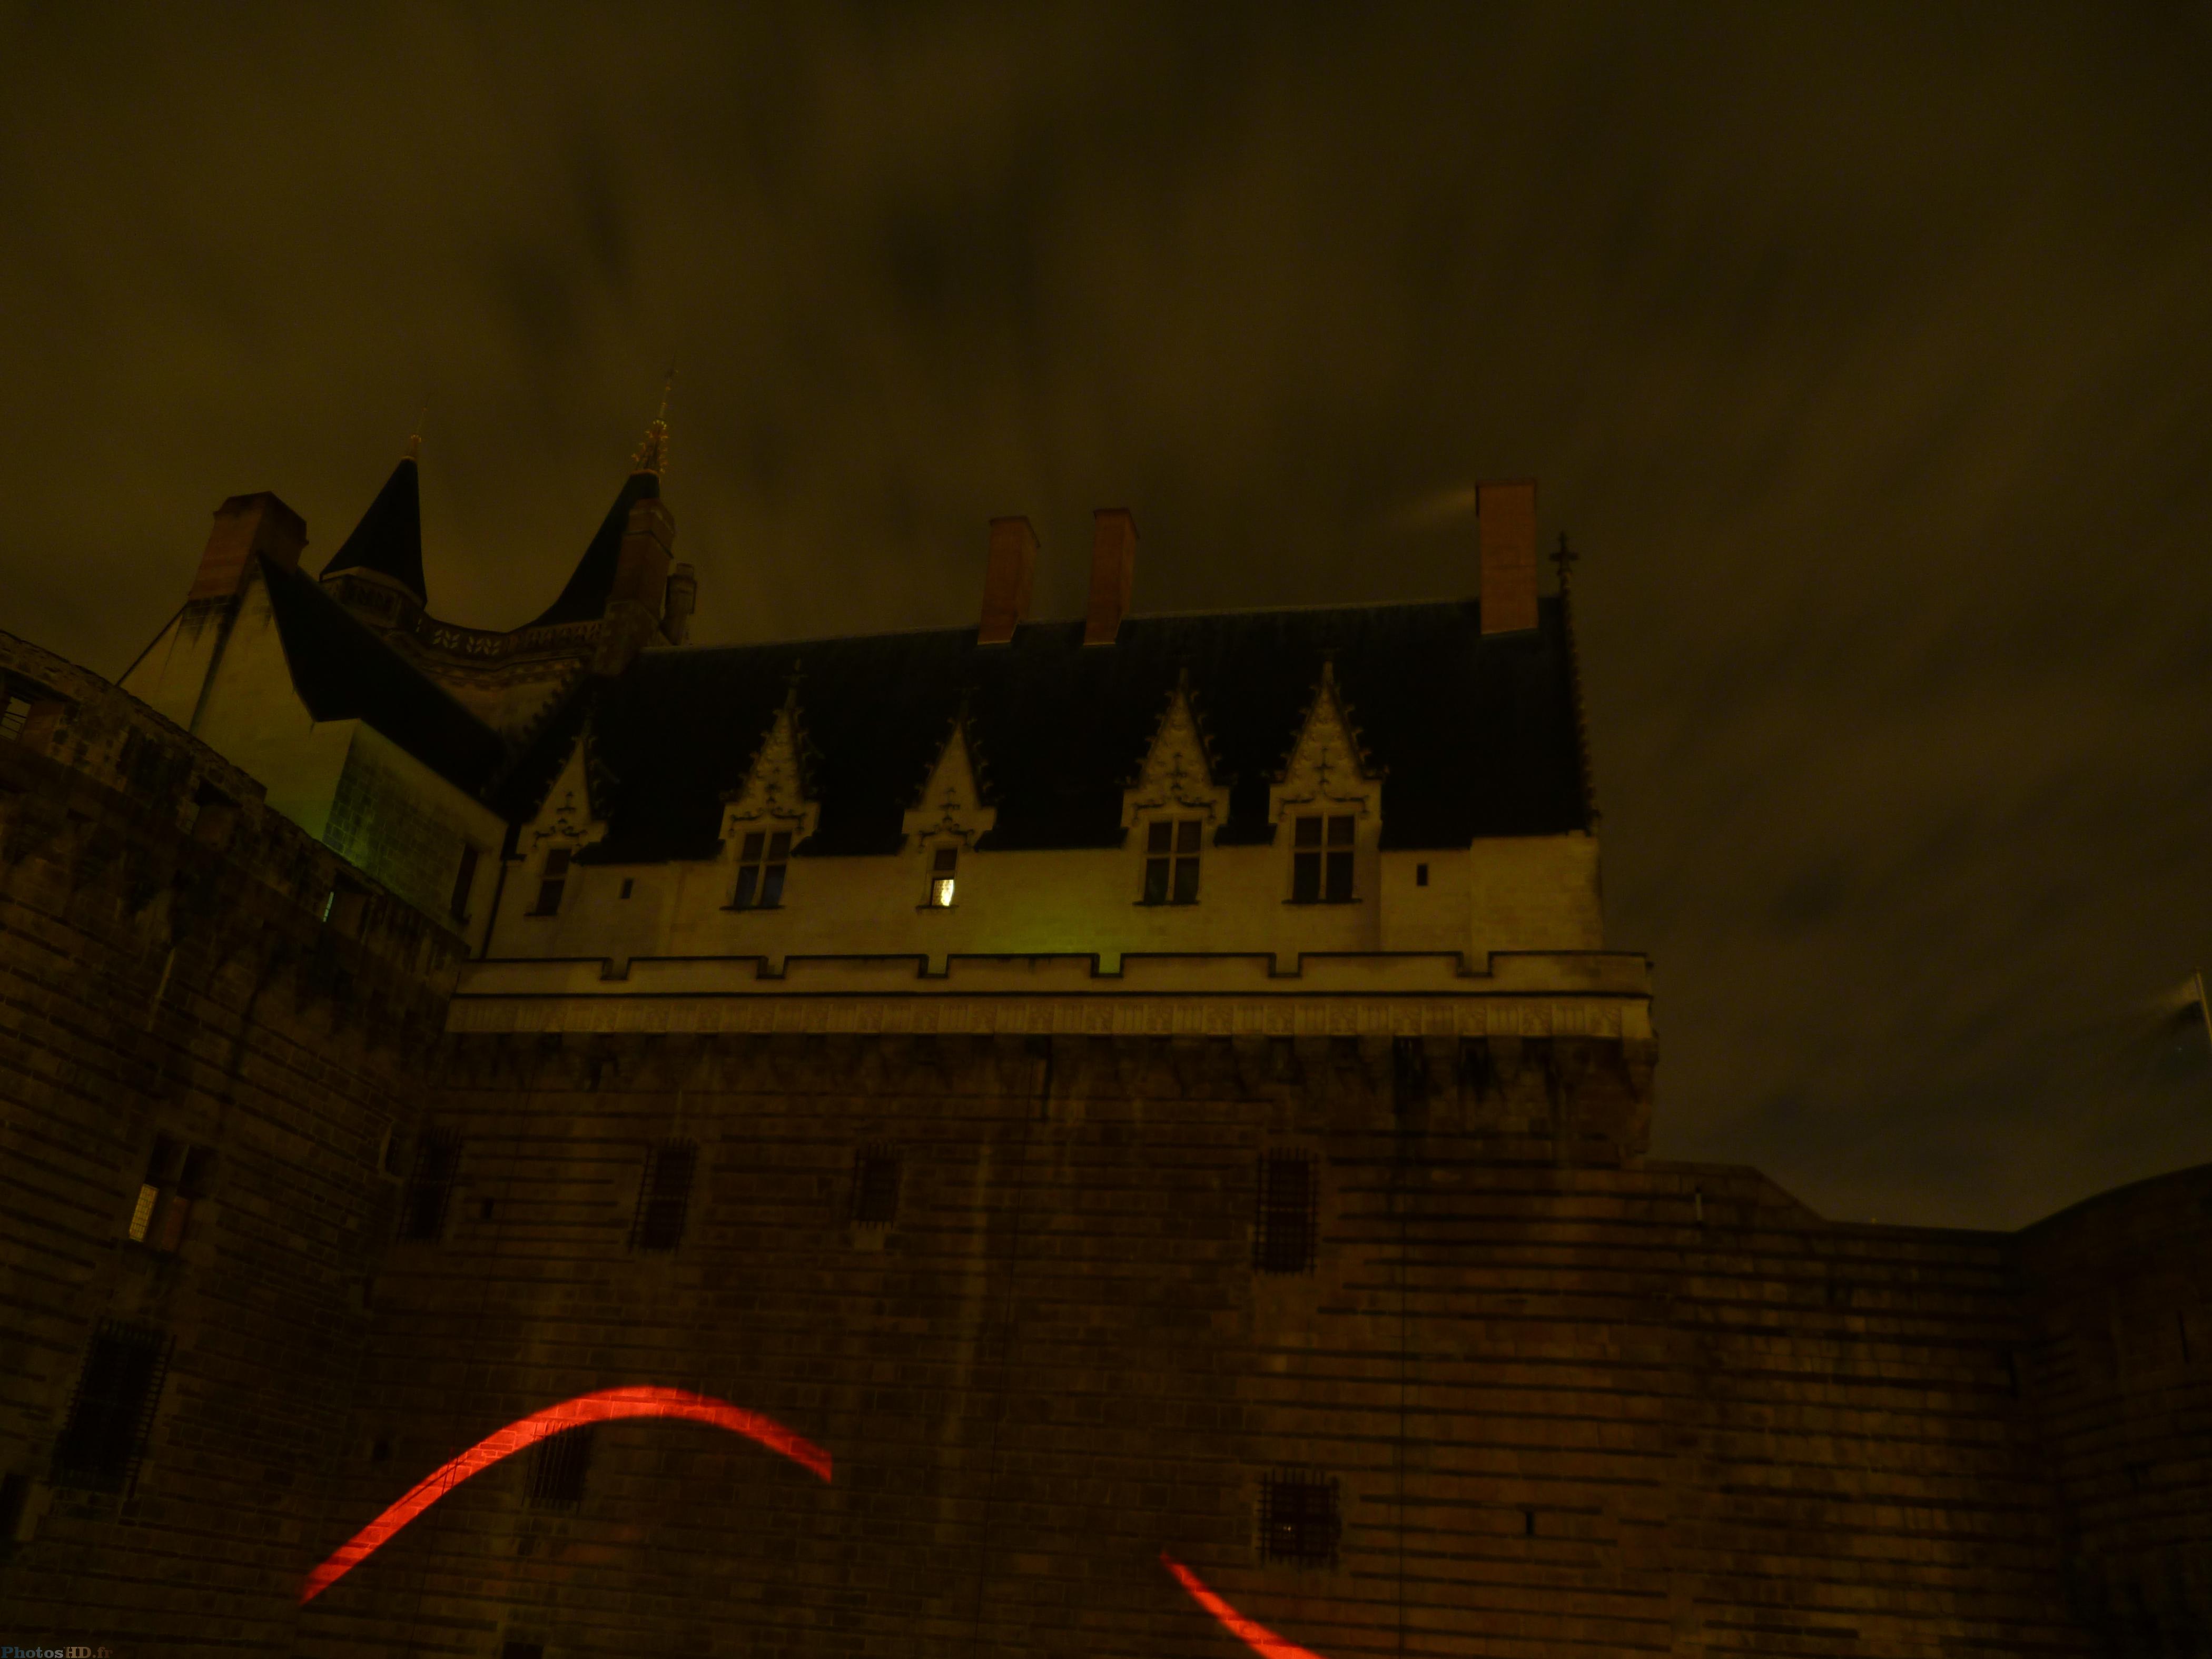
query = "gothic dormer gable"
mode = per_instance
[
  {"x": 954, "y": 800},
  {"x": 1327, "y": 764},
  {"x": 1180, "y": 773},
  {"x": 566, "y": 818},
  {"x": 777, "y": 793}
]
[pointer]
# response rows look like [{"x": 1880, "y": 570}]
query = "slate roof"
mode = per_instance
[
  {"x": 344, "y": 671},
  {"x": 585, "y": 597},
  {"x": 1477, "y": 737},
  {"x": 389, "y": 537}
]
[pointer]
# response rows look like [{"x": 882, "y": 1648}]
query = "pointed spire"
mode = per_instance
[
  {"x": 652, "y": 454},
  {"x": 388, "y": 540},
  {"x": 585, "y": 597}
]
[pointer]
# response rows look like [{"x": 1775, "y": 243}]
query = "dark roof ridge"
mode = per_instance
[{"x": 343, "y": 670}]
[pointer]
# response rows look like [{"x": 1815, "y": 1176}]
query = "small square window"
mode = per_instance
[
  {"x": 875, "y": 1187},
  {"x": 1300, "y": 1522}
]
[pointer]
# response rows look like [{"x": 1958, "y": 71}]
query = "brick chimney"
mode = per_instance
[
  {"x": 245, "y": 526},
  {"x": 1112, "y": 572},
  {"x": 1508, "y": 515},
  {"x": 683, "y": 599},
  {"x": 1008, "y": 580}
]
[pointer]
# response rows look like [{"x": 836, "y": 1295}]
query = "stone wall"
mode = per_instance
[
  {"x": 1566, "y": 1408},
  {"x": 2122, "y": 1376},
  {"x": 166, "y": 971}
]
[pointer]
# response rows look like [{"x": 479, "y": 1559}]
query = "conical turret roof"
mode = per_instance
[
  {"x": 388, "y": 540},
  {"x": 585, "y": 597}
]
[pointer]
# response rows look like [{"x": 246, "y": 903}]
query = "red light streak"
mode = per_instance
[
  {"x": 1256, "y": 1636},
  {"x": 606, "y": 1406}
]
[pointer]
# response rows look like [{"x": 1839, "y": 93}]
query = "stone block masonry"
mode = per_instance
[
  {"x": 206, "y": 1024},
  {"x": 1563, "y": 1408}
]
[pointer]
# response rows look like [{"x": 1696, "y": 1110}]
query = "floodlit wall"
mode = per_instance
[{"x": 1534, "y": 893}]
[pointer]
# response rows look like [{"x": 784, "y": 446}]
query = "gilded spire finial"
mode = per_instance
[
  {"x": 415, "y": 439},
  {"x": 652, "y": 454}
]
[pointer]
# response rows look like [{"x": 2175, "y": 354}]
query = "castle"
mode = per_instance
[{"x": 1117, "y": 1136}]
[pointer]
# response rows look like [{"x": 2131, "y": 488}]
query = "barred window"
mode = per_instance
[
  {"x": 1286, "y": 1238},
  {"x": 113, "y": 1410},
  {"x": 430, "y": 1187},
  {"x": 761, "y": 868},
  {"x": 1171, "y": 861},
  {"x": 1321, "y": 859},
  {"x": 558, "y": 1465},
  {"x": 875, "y": 1187},
  {"x": 1300, "y": 1520},
  {"x": 553, "y": 882},
  {"x": 666, "y": 1198}
]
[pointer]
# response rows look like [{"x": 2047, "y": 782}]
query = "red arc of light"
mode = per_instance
[
  {"x": 606, "y": 1406},
  {"x": 1254, "y": 1636}
]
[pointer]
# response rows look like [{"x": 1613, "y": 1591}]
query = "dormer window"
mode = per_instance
[
  {"x": 553, "y": 882},
  {"x": 941, "y": 865},
  {"x": 1321, "y": 859},
  {"x": 1171, "y": 861},
  {"x": 761, "y": 858}
]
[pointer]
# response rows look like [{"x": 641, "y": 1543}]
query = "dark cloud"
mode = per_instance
[{"x": 1862, "y": 350}]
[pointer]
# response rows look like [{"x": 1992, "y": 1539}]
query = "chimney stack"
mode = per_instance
[
  {"x": 1507, "y": 529},
  {"x": 245, "y": 526},
  {"x": 1113, "y": 573},
  {"x": 1008, "y": 580},
  {"x": 683, "y": 599}
]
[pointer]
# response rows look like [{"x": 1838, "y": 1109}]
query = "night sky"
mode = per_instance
[{"x": 1865, "y": 354}]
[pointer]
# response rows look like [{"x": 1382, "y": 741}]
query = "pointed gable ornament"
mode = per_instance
[
  {"x": 569, "y": 817},
  {"x": 1179, "y": 774},
  {"x": 776, "y": 792},
  {"x": 954, "y": 798},
  {"x": 1328, "y": 764}
]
